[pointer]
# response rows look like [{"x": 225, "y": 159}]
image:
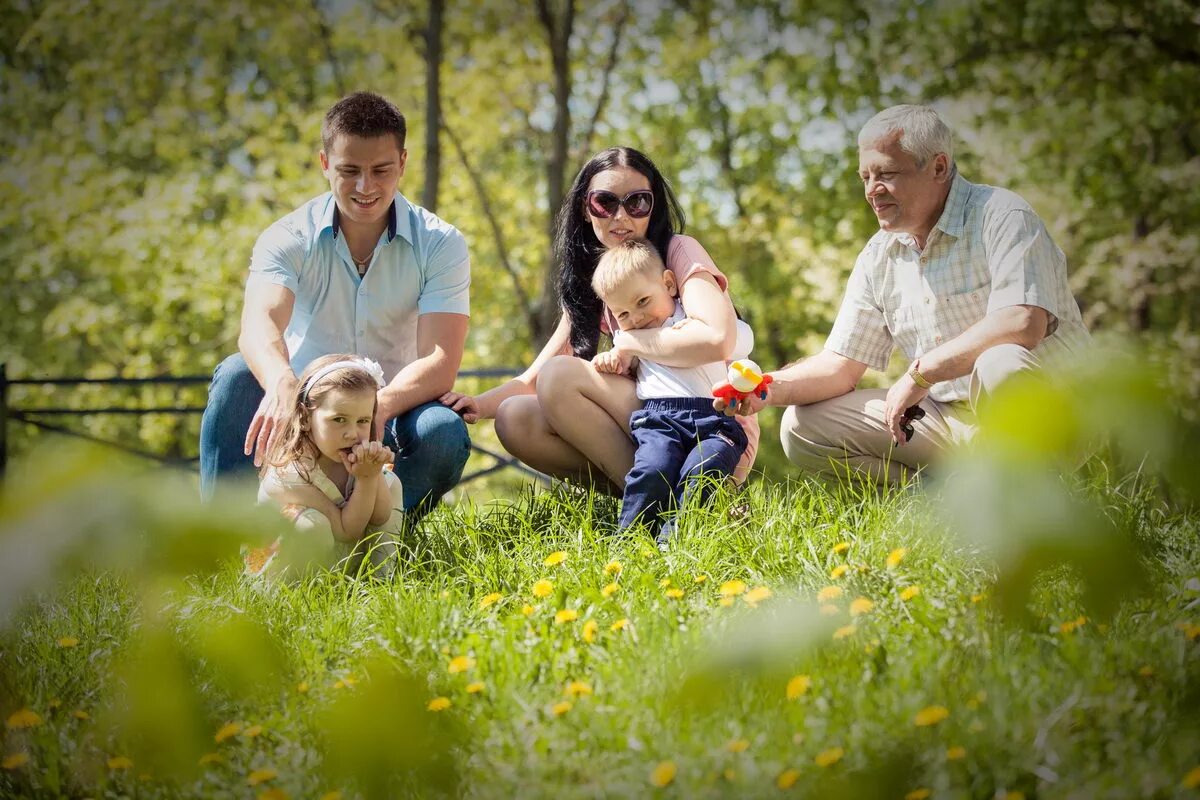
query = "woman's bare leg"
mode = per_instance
[
  {"x": 590, "y": 412},
  {"x": 525, "y": 434}
]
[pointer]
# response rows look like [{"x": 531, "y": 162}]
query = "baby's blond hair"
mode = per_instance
[{"x": 618, "y": 264}]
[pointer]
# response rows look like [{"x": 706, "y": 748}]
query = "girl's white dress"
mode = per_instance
[{"x": 378, "y": 543}]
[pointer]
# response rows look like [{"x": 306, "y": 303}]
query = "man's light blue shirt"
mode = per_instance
[{"x": 420, "y": 266}]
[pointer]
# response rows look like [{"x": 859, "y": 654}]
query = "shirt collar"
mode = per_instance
[
  {"x": 396, "y": 224},
  {"x": 953, "y": 218}
]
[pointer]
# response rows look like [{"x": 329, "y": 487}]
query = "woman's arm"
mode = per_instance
[
  {"x": 710, "y": 335},
  {"x": 484, "y": 406}
]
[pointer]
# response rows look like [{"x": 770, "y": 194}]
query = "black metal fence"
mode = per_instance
[{"x": 42, "y": 417}]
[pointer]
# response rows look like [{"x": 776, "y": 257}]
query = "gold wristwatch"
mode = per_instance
[{"x": 914, "y": 372}]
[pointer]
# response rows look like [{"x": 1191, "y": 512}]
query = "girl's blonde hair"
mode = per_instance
[{"x": 294, "y": 445}]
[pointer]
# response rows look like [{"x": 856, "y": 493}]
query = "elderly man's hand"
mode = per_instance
[
  {"x": 903, "y": 395},
  {"x": 751, "y": 405}
]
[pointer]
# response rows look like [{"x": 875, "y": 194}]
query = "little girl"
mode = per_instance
[{"x": 323, "y": 470}]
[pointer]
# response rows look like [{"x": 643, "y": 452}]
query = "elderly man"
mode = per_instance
[
  {"x": 964, "y": 278},
  {"x": 358, "y": 269}
]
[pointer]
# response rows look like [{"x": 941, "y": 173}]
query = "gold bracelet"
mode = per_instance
[{"x": 918, "y": 378}]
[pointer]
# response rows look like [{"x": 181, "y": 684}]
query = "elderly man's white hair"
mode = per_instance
[{"x": 924, "y": 134}]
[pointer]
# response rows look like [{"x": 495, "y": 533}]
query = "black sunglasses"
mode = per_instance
[
  {"x": 604, "y": 204},
  {"x": 909, "y": 416}
]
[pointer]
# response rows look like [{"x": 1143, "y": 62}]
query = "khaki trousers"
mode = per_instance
[{"x": 848, "y": 434}]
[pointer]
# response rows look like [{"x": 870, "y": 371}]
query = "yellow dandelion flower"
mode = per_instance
[
  {"x": 798, "y": 686},
  {"x": 490, "y": 599},
  {"x": 829, "y": 610},
  {"x": 336, "y": 794},
  {"x": 555, "y": 558},
  {"x": 664, "y": 583},
  {"x": 1146, "y": 671},
  {"x": 588, "y": 633},
  {"x": 120, "y": 762},
  {"x": 302, "y": 687},
  {"x": 956, "y": 753},
  {"x": 227, "y": 730},
  {"x": 261, "y": 776},
  {"x": 610, "y": 589},
  {"x": 252, "y": 731},
  {"x": 918, "y": 794},
  {"x": 726, "y": 602},
  {"x": 273, "y": 793},
  {"x": 738, "y": 745},
  {"x": 787, "y": 779},
  {"x": 460, "y": 664},
  {"x": 829, "y": 593},
  {"x": 827, "y": 758},
  {"x": 860, "y": 606},
  {"x": 25, "y": 718},
  {"x": 543, "y": 588},
  {"x": 930, "y": 715},
  {"x": 613, "y": 567},
  {"x": 845, "y": 631},
  {"x": 663, "y": 773},
  {"x": 700, "y": 579},
  {"x": 15, "y": 760},
  {"x": 840, "y": 548},
  {"x": 577, "y": 689},
  {"x": 566, "y": 615},
  {"x": 80, "y": 714},
  {"x": 674, "y": 594},
  {"x": 560, "y": 708},
  {"x": 210, "y": 758},
  {"x": 896, "y": 556},
  {"x": 756, "y": 595},
  {"x": 977, "y": 598},
  {"x": 838, "y": 571},
  {"x": 527, "y": 610},
  {"x": 732, "y": 588},
  {"x": 619, "y": 625},
  {"x": 1192, "y": 779},
  {"x": 909, "y": 592},
  {"x": 68, "y": 641},
  {"x": 475, "y": 687},
  {"x": 438, "y": 704}
]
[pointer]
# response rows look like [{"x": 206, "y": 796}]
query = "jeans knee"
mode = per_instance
[{"x": 233, "y": 376}]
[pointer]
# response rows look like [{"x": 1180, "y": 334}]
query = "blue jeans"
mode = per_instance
[
  {"x": 430, "y": 441},
  {"x": 679, "y": 440}
]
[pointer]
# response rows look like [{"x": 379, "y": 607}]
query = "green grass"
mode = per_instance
[{"x": 1105, "y": 710}]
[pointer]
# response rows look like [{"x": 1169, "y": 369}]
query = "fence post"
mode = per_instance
[{"x": 3, "y": 419}]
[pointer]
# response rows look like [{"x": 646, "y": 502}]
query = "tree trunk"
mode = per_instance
[
  {"x": 433, "y": 105},
  {"x": 559, "y": 34}
]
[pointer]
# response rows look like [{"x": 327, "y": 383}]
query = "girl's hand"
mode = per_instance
[
  {"x": 367, "y": 459},
  {"x": 462, "y": 404}
]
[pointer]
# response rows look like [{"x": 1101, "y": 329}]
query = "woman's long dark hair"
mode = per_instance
[{"x": 577, "y": 249}]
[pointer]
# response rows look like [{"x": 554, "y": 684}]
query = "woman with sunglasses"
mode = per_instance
[{"x": 563, "y": 417}]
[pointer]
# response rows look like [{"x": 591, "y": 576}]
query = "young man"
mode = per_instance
[
  {"x": 964, "y": 278},
  {"x": 358, "y": 269}
]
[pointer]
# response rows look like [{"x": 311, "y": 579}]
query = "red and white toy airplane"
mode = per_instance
[{"x": 745, "y": 378}]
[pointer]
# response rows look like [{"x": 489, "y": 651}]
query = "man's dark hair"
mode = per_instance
[{"x": 363, "y": 114}]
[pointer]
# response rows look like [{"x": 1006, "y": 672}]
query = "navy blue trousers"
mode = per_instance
[{"x": 679, "y": 439}]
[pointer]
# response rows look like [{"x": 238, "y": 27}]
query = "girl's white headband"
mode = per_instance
[{"x": 368, "y": 366}]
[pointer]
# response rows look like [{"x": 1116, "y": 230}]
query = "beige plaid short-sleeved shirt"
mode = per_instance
[{"x": 988, "y": 250}]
